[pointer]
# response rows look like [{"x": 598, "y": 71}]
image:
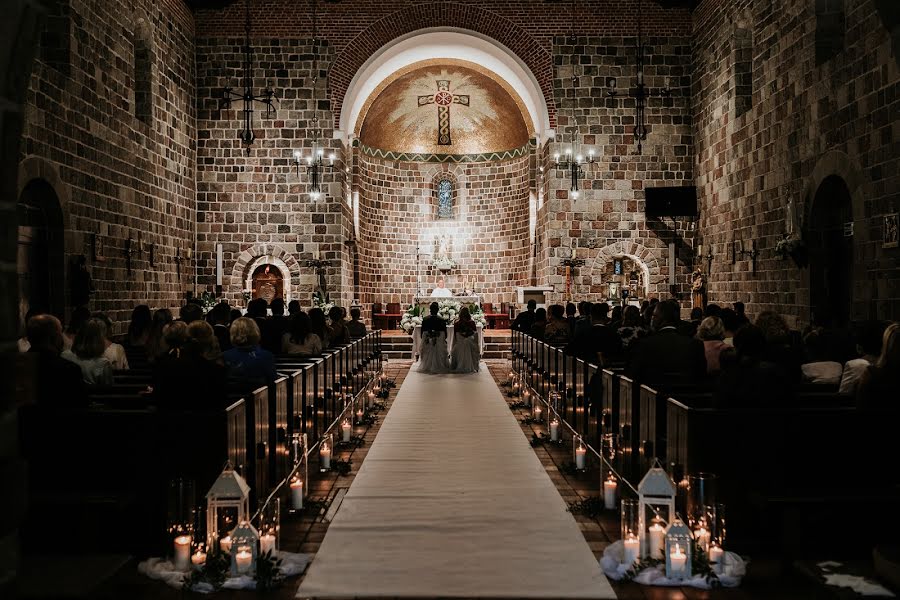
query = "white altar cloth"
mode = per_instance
[{"x": 417, "y": 340}]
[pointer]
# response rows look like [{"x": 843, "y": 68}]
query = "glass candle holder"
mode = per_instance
[
  {"x": 610, "y": 492},
  {"x": 701, "y": 492},
  {"x": 629, "y": 531},
  {"x": 270, "y": 526},
  {"x": 579, "y": 452},
  {"x": 326, "y": 448},
  {"x": 553, "y": 426},
  {"x": 180, "y": 521}
]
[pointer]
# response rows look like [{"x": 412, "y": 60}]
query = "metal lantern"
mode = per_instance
[
  {"x": 678, "y": 550},
  {"x": 181, "y": 522},
  {"x": 655, "y": 491},
  {"x": 579, "y": 452},
  {"x": 300, "y": 474},
  {"x": 270, "y": 526},
  {"x": 227, "y": 504},
  {"x": 326, "y": 447},
  {"x": 244, "y": 549}
]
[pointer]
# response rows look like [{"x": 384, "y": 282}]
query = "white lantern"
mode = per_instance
[
  {"x": 678, "y": 550},
  {"x": 244, "y": 549},
  {"x": 656, "y": 491},
  {"x": 227, "y": 505}
]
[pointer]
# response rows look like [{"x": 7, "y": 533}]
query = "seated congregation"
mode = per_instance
[{"x": 773, "y": 417}]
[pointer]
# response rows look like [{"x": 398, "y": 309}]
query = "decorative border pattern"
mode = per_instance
[{"x": 445, "y": 158}]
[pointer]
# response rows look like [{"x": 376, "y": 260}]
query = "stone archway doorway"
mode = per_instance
[
  {"x": 40, "y": 262},
  {"x": 267, "y": 283},
  {"x": 830, "y": 241}
]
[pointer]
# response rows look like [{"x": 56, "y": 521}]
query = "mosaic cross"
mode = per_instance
[{"x": 443, "y": 99}]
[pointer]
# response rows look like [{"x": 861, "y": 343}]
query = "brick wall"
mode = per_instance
[
  {"x": 489, "y": 231},
  {"x": 118, "y": 175},
  {"x": 256, "y": 203},
  {"x": 805, "y": 121}
]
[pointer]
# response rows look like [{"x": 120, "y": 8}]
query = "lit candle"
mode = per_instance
[
  {"x": 346, "y": 429},
  {"x": 657, "y": 539},
  {"x": 526, "y": 397},
  {"x": 267, "y": 543},
  {"x": 182, "y": 552},
  {"x": 702, "y": 537},
  {"x": 225, "y": 544},
  {"x": 580, "y": 454},
  {"x": 537, "y": 412},
  {"x": 609, "y": 493},
  {"x": 242, "y": 559},
  {"x": 554, "y": 430},
  {"x": 359, "y": 416},
  {"x": 297, "y": 494},
  {"x": 377, "y": 389},
  {"x": 325, "y": 457},
  {"x": 511, "y": 377},
  {"x": 678, "y": 560},
  {"x": 198, "y": 558},
  {"x": 371, "y": 399},
  {"x": 717, "y": 558},
  {"x": 515, "y": 389},
  {"x": 632, "y": 549}
]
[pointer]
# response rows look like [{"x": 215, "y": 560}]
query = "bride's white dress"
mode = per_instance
[
  {"x": 466, "y": 355},
  {"x": 433, "y": 354}
]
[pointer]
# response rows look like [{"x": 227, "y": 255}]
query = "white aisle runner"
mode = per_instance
[{"x": 452, "y": 501}]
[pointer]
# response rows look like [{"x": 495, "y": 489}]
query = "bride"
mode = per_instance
[
  {"x": 466, "y": 354},
  {"x": 434, "y": 343}
]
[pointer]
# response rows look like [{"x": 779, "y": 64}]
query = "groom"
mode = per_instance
[{"x": 433, "y": 353}]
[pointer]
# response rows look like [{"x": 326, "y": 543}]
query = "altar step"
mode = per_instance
[{"x": 496, "y": 345}]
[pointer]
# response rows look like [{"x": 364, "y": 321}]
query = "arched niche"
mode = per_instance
[
  {"x": 40, "y": 263},
  {"x": 271, "y": 271},
  {"x": 644, "y": 260}
]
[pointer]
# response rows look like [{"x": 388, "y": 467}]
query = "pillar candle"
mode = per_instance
[
  {"x": 554, "y": 430},
  {"x": 609, "y": 493},
  {"x": 510, "y": 378},
  {"x": 225, "y": 544},
  {"x": 242, "y": 559},
  {"x": 198, "y": 558},
  {"x": 182, "y": 552},
  {"x": 325, "y": 457},
  {"x": 359, "y": 415},
  {"x": 267, "y": 543},
  {"x": 717, "y": 558},
  {"x": 632, "y": 549},
  {"x": 537, "y": 412},
  {"x": 657, "y": 540},
  {"x": 580, "y": 454},
  {"x": 346, "y": 429},
  {"x": 297, "y": 494},
  {"x": 677, "y": 559},
  {"x": 371, "y": 399},
  {"x": 526, "y": 397}
]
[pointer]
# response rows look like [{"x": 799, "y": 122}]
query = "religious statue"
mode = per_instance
[
  {"x": 441, "y": 256},
  {"x": 441, "y": 291},
  {"x": 698, "y": 289}
]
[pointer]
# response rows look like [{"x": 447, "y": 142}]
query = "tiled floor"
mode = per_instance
[{"x": 765, "y": 580}]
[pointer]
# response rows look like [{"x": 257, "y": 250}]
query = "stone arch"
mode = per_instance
[
  {"x": 428, "y": 15},
  {"x": 35, "y": 167},
  {"x": 844, "y": 166},
  {"x": 645, "y": 257},
  {"x": 261, "y": 254}
]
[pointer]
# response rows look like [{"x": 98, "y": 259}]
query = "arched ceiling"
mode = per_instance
[{"x": 444, "y": 107}]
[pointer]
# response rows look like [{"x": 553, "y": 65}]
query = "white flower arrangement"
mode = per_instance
[
  {"x": 448, "y": 310},
  {"x": 410, "y": 320},
  {"x": 322, "y": 303}
]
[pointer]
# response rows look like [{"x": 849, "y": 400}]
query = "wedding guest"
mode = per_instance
[
  {"x": 87, "y": 352},
  {"x": 615, "y": 318},
  {"x": 337, "y": 331},
  {"x": 740, "y": 313},
  {"x": 114, "y": 353},
  {"x": 749, "y": 377},
  {"x": 80, "y": 316},
  {"x": 696, "y": 319},
  {"x": 155, "y": 345},
  {"x": 356, "y": 327},
  {"x": 556, "y": 331},
  {"x": 712, "y": 310},
  {"x": 139, "y": 327},
  {"x": 194, "y": 377},
  {"x": 58, "y": 380},
  {"x": 274, "y": 327},
  {"x": 319, "y": 326},
  {"x": 525, "y": 320},
  {"x": 540, "y": 324},
  {"x": 780, "y": 350},
  {"x": 880, "y": 384},
  {"x": 22, "y": 344},
  {"x": 571, "y": 319},
  {"x": 221, "y": 322},
  {"x": 603, "y": 309},
  {"x": 869, "y": 349},
  {"x": 293, "y": 307},
  {"x": 666, "y": 355},
  {"x": 248, "y": 364},
  {"x": 732, "y": 323},
  {"x": 711, "y": 332},
  {"x": 631, "y": 329},
  {"x": 583, "y": 323},
  {"x": 190, "y": 312},
  {"x": 600, "y": 344},
  {"x": 299, "y": 340}
]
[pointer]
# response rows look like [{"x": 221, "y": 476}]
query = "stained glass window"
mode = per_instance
[{"x": 445, "y": 199}]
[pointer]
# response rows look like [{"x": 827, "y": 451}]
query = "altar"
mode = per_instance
[
  {"x": 424, "y": 301},
  {"x": 417, "y": 340}
]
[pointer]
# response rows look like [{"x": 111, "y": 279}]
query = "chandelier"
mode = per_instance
[
  {"x": 315, "y": 163},
  {"x": 640, "y": 92},
  {"x": 573, "y": 160},
  {"x": 247, "y": 97}
]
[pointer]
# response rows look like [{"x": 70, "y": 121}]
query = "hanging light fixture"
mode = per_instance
[
  {"x": 640, "y": 92},
  {"x": 266, "y": 97},
  {"x": 315, "y": 163},
  {"x": 574, "y": 160}
]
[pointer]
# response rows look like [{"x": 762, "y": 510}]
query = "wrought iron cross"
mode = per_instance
[{"x": 443, "y": 99}]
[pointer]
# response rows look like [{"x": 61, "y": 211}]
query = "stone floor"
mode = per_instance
[{"x": 766, "y": 579}]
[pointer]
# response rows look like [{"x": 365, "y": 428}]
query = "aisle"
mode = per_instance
[{"x": 451, "y": 501}]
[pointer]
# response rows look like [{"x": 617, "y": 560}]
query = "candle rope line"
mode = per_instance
[{"x": 308, "y": 451}]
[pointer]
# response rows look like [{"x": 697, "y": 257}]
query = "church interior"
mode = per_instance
[{"x": 665, "y": 231}]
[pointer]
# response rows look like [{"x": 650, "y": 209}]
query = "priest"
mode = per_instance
[{"x": 441, "y": 291}]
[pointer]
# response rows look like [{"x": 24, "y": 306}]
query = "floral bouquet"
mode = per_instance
[
  {"x": 322, "y": 303},
  {"x": 448, "y": 310},
  {"x": 207, "y": 301},
  {"x": 410, "y": 319}
]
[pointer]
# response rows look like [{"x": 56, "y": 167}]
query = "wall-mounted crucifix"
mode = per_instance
[{"x": 443, "y": 98}]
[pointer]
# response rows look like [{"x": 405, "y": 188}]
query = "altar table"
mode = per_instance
[{"x": 417, "y": 340}]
